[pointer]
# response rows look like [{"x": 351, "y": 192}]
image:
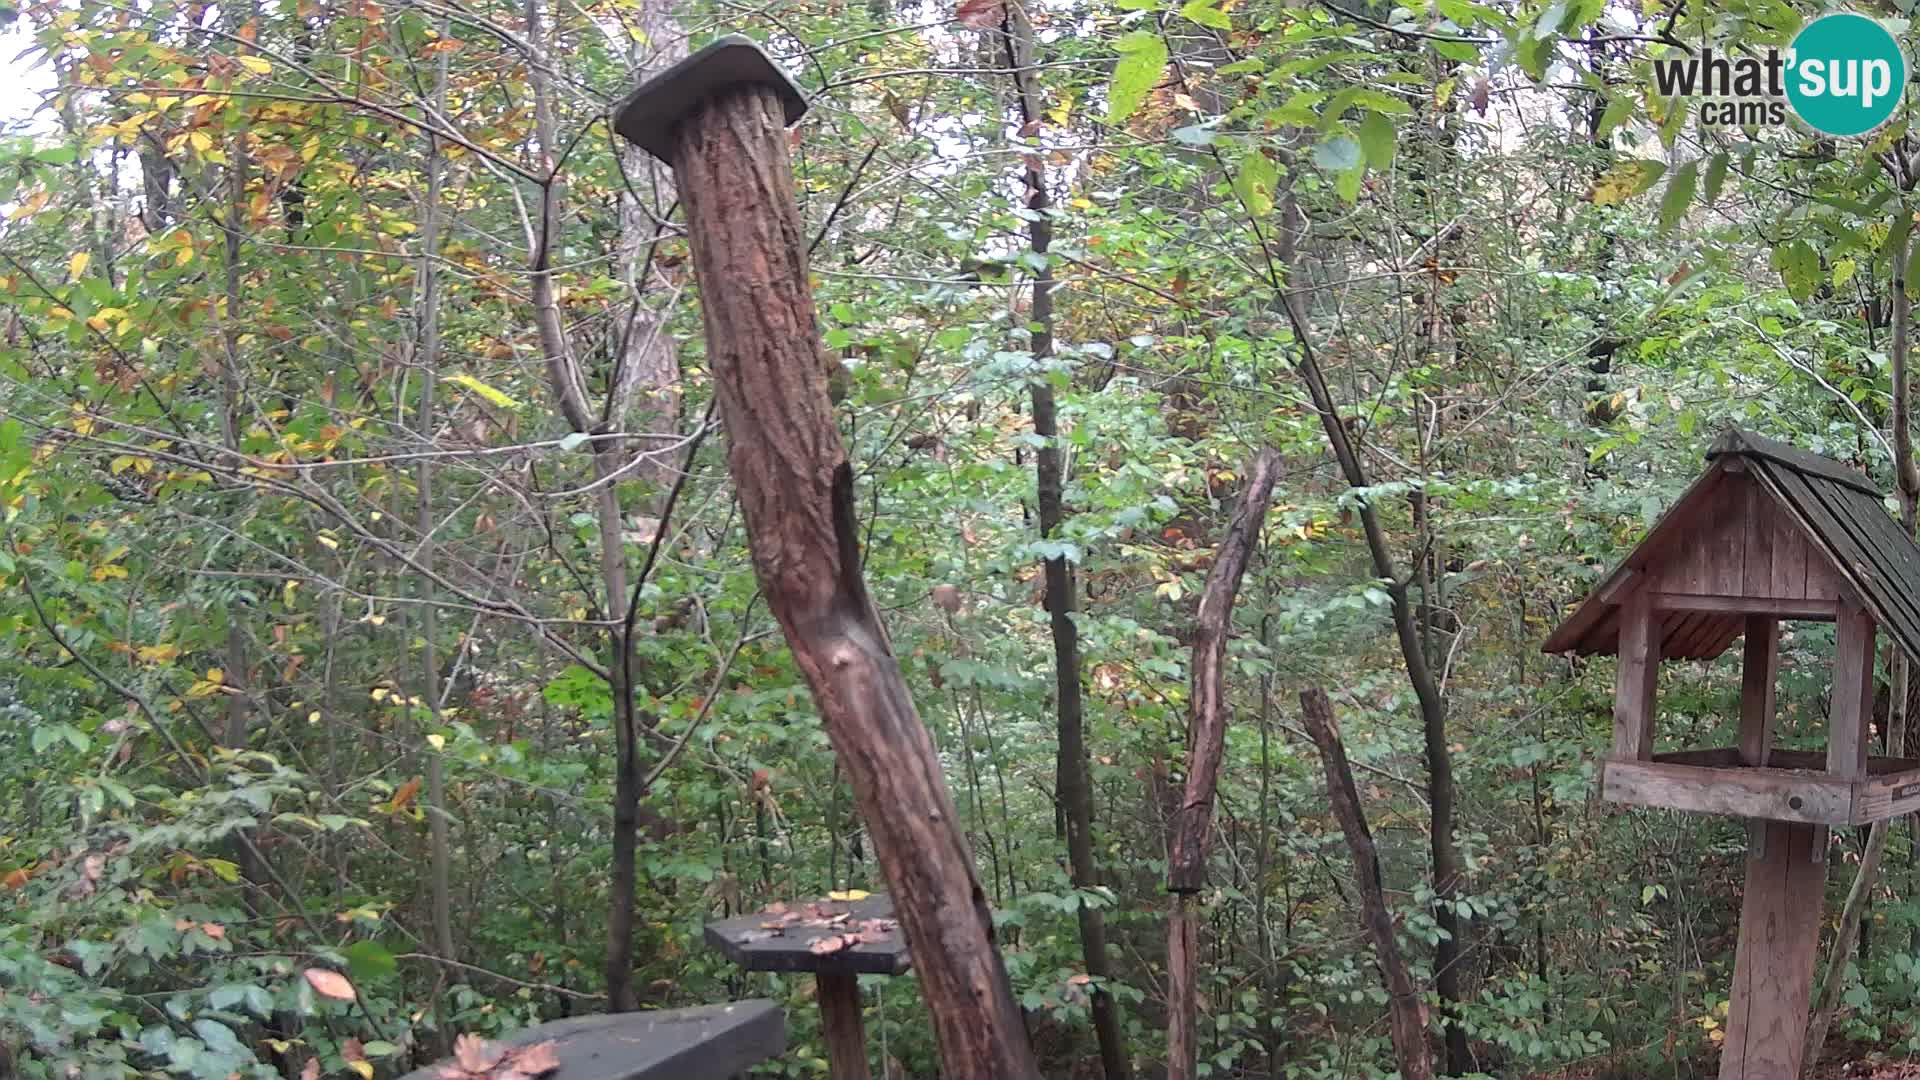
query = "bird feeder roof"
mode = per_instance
[{"x": 1767, "y": 529}]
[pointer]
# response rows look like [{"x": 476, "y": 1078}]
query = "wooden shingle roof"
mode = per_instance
[{"x": 1758, "y": 500}]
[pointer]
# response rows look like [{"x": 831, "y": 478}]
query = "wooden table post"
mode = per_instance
[{"x": 719, "y": 119}]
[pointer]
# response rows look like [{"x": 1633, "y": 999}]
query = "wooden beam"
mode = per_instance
[
  {"x": 1851, "y": 706},
  {"x": 1814, "y": 798},
  {"x": 1756, "y": 688},
  {"x": 1773, "y": 968},
  {"x": 842, "y": 1028},
  {"x": 1635, "y": 678},
  {"x": 1769, "y": 606}
]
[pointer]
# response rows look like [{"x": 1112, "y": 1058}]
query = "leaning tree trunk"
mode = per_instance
[
  {"x": 795, "y": 486},
  {"x": 1406, "y": 1012},
  {"x": 1206, "y": 744}
]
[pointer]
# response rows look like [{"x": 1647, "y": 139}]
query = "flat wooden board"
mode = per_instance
[
  {"x": 865, "y": 937},
  {"x": 667, "y": 1044},
  {"x": 1794, "y": 786}
]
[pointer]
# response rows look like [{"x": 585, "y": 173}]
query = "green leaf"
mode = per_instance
[
  {"x": 1204, "y": 13},
  {"x": 1679, "y": 194},
  {"x": 1255, "y": 183},
  {"x": 1143, "y": 56},
  {"x": 1337, "y": 154},
  {"x": 1618, "y": 109},
  {"x": 1348, "y": 183},
  {"x": 1376, "y": 136},
  {"x": 368, "y": 959},
  {"x": 1625, "y": 180},
  {"x": 1913, "y": 272},
  {"x": 1716, "y": 176},
  {"x": 1799, "y": 267}
]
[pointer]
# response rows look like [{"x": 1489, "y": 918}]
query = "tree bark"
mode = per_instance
[
  {"x": 428, "y": 308},
  {"x": 1407, "y": 1014},
  {"x": 1206, "y": 744},
  {"x": 1072, "y": 783},
  {"x": 795, "y": 486}
]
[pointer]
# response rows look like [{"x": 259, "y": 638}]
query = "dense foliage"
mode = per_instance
[{"x": 313, "y": 592}]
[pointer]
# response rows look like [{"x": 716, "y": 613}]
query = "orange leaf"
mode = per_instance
[
  {"x": 475, "y": 1054},
  {"x": 979, "y": 14},
  {"x": 330, "y": 984},
  {"x": 404, "y": 797},
  {"x": 536, "y": 1059},
  {"x": 16, "y": 880},
  {"x": 352, "y": 1050}
]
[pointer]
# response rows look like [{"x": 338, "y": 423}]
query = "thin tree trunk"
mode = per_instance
[
  {"x": 1406, "y": 1013},
  {"x": 796, "y": 491},
  {"x": 1072, "y": 783},
  {"x": 1426, "y": 689},
  {"x": 428, "y": 367},
  {"x": 1206, "y": 744}
]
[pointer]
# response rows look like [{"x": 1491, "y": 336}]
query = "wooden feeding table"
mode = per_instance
[
  {"x": 667, "y": 1044},
  {"x": 1767, "y": 533},
  {"x": 838, "y": 941}
]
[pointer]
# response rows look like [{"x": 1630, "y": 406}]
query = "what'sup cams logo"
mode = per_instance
[{"x": 1843, "y": 74}]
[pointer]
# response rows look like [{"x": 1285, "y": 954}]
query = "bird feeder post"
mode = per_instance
[{"x": 719, "y": 118}]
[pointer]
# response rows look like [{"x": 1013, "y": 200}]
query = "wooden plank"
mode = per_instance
[
  {"x": 665, "y": 1044},
  {"x": 1718, "y": 757},
  {"x": 1890, "y": 795},
  {"x": 1851, "y": 705},
  {"x": 1863, "y": 546},
  {"x": 1757, "y": 660},
  {"x": 1776, "y": 794},
  {"x": 1773, "y": 966},
  {"x": 1789, "y": 552},
  {"x": 1758, "y": 522},
  {"x": 1728, "y": 757},
  {"x": 1674, "y": 628},
  {"x": 1746, "y": 443},
  {"x": 1773, "y": 607},
  {"x": 1710, "y": 636},
  {"x": 1634, "y": 680},
  {"x": 1725, "y": 548}
]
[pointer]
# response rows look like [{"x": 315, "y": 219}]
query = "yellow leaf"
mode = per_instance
[
  {"x": 437, "y": 741},
  {"x": 216, "y": 676},
  {"x": 485, "y": 391},
  {"x": 327, "y": 542},
  {"x": 78, "y": 264},
  {"x": 364, "y": 1068},
  {"x": 158, "y": 654},
  {"x": 379, "y": 693},
  {"x": 849, "y": 895},
  {"x": 200, "y": 141},
  {"x": 260, "y": 66},
  {"x": 1625, "y": 180}
]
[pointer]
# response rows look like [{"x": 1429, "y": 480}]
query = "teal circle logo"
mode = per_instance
[{"x": 1845, "y": 74}]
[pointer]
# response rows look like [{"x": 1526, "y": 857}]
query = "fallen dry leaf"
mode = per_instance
[
  {"x": 475, "y": 1054},
  {"x": 541, "y": 1057},
  {"x": 330, "y": 984},
  {"x": 311, "y": 1070}
]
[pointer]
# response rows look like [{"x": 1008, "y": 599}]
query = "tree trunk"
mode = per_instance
[
  {"x": 1433, "y": 707},
  {"x": 1072, "y": 784},
  {"x": 1206, "y": 744},
  {"x": 795, "y": 486},
  {"x": 428, "y": 310},
  {"x": 1406, "y": 1013}
]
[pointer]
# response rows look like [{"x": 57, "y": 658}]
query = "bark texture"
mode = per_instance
[
  {"x": 1206, "y": 742},
  {"x": 795, "y": 486}
]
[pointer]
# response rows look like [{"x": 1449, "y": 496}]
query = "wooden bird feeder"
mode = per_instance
[
  {"x": 1768, "y": 533},
  {"x": 838, "y": 941}
]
